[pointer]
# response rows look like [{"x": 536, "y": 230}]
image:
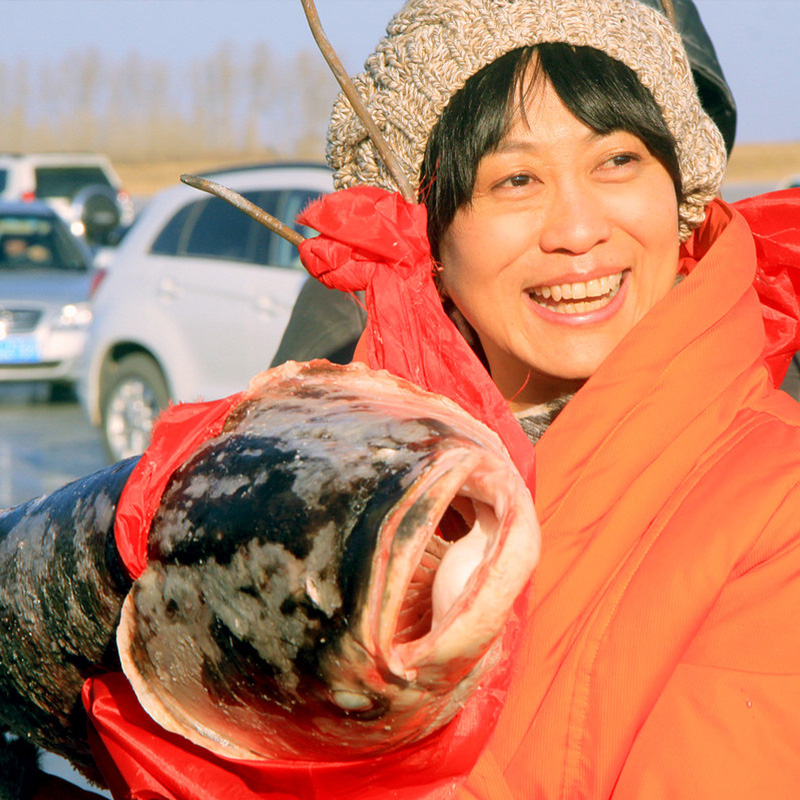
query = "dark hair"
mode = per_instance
[{"x": 601, "y": 92}]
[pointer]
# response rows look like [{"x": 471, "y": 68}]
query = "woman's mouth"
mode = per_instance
[{"x": 578, "y": 297}]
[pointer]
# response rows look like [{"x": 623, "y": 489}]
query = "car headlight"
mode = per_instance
[{"x": 72, "y": 316}]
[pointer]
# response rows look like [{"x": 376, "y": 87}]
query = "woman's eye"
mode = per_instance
[
  {"x": 515, "y": 181},
  {"x": 622, "y": 160}
]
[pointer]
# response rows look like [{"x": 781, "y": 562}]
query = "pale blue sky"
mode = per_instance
[{"x": 756, "y": 40}]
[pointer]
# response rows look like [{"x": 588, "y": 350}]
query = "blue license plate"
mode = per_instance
[{"x": 19, "y": 350}]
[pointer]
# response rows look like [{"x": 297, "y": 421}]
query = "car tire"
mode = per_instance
[
  {"x": 134, "y": 394},
  {"x": 61, "y": 392}
]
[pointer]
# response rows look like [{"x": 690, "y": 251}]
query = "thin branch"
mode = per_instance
[
  {"x": 251, "y": 209},
  {"x": 669, "y": 10},
  {"x": 353, "y": 96}
]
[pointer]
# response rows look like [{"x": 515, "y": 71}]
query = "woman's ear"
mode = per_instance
[
  {"x": 436, "y": 271},
  {"x": 464, "y": 328}
]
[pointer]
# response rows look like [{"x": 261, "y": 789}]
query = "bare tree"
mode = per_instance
[{"x": 228, "y": 105}]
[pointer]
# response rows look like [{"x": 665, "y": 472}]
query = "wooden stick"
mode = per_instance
[
  {"x": 353, "y": 96},
  {"x": 669, "y": 10},
  {"x": 251, "y": 209}
]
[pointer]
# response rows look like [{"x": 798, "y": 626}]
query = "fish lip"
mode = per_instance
[{"x": 460, "y": 639}]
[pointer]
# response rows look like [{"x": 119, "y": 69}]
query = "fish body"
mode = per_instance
[
  {"x": 62, "y": 586},
  {"x": 328, "y": 577}
]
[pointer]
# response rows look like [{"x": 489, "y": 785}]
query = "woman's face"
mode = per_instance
[{"x": 570, "y": 238}]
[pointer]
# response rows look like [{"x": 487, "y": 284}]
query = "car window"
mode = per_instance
[
  {"x": 212, "y": 228},
  {"x": 3, "y": 179},
  {"x": 222, "y": 231},
  {"x": 67, "y": 181},
  {"x": 264, "y": 238},
  {"x": 292, "y": 202},
  {"x": 172, "y": 239}
]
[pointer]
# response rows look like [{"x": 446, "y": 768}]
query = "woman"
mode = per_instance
[
  {"x": 573, "y": 222},
  {"x": 568, "y": 174}
]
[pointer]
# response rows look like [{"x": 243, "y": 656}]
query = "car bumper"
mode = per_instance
[{"x": 58, "y": 358}]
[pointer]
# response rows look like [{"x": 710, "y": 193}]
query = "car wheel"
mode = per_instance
[{"x": 133, "y": 397}]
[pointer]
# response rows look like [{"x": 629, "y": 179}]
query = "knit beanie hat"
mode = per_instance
[{"x": 433, "y": 46}]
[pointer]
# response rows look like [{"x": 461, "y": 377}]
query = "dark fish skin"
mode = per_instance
[
  {"x": 61, "y": 589},
  {"x": 260, "y": 555}
]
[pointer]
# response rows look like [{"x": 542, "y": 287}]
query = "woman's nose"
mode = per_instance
[{"x": 575, "y": 220}]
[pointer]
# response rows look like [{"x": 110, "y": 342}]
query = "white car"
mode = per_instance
[
  {"x": 195, "y": 300},
  {"x": 83, "y": 188}
]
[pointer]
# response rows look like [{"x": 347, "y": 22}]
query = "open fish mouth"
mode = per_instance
[{"x": 447, "y": 589}]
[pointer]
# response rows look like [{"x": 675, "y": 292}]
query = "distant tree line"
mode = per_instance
[{"x": 233, "y": 104}]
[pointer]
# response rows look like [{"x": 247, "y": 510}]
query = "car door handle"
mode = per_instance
[
  {"x": 265, "y": 305},
  {"x": 169, "y": 289}
]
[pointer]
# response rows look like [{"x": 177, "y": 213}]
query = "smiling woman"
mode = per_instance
[
  {"x": 570, "y": 278},
  {"x": 570, "y": 176}
]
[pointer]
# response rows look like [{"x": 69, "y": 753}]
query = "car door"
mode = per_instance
[
  {"x": 226, "y": 302},
  {"x": 205, "y": 286},
  {"x": 280, "y": 275}
]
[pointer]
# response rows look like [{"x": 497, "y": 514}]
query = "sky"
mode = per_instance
[{"x": 756, "y": 40}]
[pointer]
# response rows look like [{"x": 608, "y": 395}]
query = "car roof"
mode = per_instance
[
  {"x": 314, "y": 176},
  {"x": 269, "y": 165}
]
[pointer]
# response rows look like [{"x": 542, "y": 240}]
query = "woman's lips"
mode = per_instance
[{"x": 581, "y": 301}]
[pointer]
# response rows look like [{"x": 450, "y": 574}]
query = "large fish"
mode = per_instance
[{"x": 330, "y": 574}]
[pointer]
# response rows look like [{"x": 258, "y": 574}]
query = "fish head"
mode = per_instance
[{"x": 333, "y": 574}]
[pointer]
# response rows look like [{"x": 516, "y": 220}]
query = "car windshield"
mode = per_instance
[{"x": 29, "y": 242}]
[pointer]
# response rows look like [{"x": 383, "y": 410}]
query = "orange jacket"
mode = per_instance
[
  {"x": 663, "y": 658},
  {"x": 662, "y": 655}
]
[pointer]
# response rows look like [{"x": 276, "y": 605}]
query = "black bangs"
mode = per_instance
[{"x": 472, "y": 124}]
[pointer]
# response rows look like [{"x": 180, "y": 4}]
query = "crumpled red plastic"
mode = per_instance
[
  {"x": 775, "y": 221},
  {"x": 375, "y": 241},
  {"x": 142, "y": 761},
  {"x": 181, "y": 429}
]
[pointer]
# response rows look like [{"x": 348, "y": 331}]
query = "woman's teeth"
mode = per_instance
[{"x": 590, "y": 295}]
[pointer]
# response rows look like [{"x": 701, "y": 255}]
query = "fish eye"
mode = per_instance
[{"x": 365, "y": 706}]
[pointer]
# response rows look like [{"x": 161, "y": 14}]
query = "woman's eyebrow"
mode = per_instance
[{"x": 517, "y": 145}]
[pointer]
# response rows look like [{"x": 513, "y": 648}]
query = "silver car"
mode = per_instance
[{"x": 45, "y": 279}]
